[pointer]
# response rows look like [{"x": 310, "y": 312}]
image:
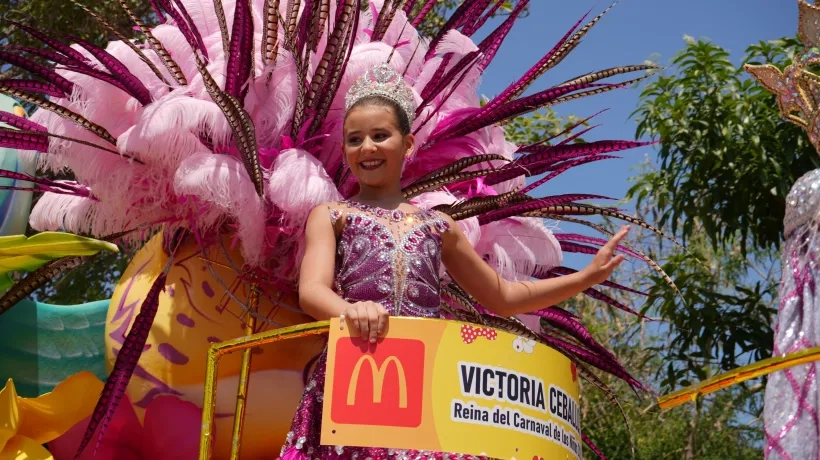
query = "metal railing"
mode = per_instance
[{"x": 246, "y": 344}]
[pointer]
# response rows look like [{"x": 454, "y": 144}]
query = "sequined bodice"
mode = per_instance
[{"x": 389, "y": 257}]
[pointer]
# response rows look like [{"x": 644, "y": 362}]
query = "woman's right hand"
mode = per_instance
[{"x": 368, "y": 318}]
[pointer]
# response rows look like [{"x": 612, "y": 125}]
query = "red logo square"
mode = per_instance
[{"x": 380, "y": 384}]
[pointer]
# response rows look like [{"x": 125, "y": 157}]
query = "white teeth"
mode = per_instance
[{"x": 372, "y": 163}]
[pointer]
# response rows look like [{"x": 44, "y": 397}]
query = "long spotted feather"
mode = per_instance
[
  {"x": 59, "y": 110},
  {"x": 340, "y": 64},
  {"x": 219, "y": 11},
  {"x": 166, "y": 59},
  {"x": 512, "y": 109},
  {"x": 535, "y": 205},
  {"x": 652, "y": 264},
  {"x": 462, "y": 163},
  {"x": 242, "y": 127},
  {"x": 130, "y": 82},
  {"x": 439, "y": 182},
  {"x": 270, "y": 32},
  {"x": 37, "y": 279},
  {"x": 124, "y": 40},
  {"x": 548, "y": 61},
  {"x": 124, "y": 366},
  {"x": 607, "y": 73}
]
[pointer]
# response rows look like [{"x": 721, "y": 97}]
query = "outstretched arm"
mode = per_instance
[
  {"x": 316, "y": 295},
  {"x": 508, "y": 298}
]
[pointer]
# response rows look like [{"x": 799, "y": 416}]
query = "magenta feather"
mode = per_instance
[
  {"x": 239, "y": 56},
  {"x": 46, "y": 54},
  {"x": 44, "y": 72},
  {"x": 182, "y": 25},
  {"x": 564, "y": 167},
  {"x": 572, "y": 327},
  {"x": 158, "y": 11},
  {"x": 592, "y": 446},
  {"x": 423, "y": 12},
  {"x": 131, "y": 84},
  {"x": 102, "y": 76},
  {"x": 124, "y": 366},
  {"x": 515, "y": 108},
  {"x": 592, "y": 240},
  {"x": 593, "y": 359},
  {"x": 568, "y": 151},
  {"x": 471, "y": 18},
  {"x": 598, "y": 295},
  {"x": 192, "y": 26},
  {"x": 23, "y": 141},
  {"x": 46, "y": 185},
  {"x": 469, "y": 31},
  {"x": 35, "y": 86},
  {"x": 19, "y": 122},
  {"x": 533, "y": 73},
  {"x": 568, "y": 271},
  {"x": 494, "y": 44},
  {"x": 577, "y": 248},
  {"x": 53, "y": 43},
  {"x": 452, "y": 23}
]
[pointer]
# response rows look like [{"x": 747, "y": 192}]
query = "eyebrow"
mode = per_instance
[{"x": 375, "y": 128}]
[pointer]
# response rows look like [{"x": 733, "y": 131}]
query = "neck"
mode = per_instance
[{"x": 384, "y": 195}]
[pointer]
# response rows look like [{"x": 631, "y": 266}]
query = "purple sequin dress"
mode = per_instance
[{"x": 388, "y": 257}]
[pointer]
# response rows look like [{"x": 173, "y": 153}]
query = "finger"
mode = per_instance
[
  {"x": 374, "y": 324},
  {"x": 342, "y": 321},
  {"x": 364, "y": 322},
  {"x": 383, "y": 317},
  {"x": 615, "y": 240},
  {"x": 613, "y": 264}
]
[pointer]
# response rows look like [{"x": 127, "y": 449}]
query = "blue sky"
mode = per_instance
[{"x": 633, "y": 31}]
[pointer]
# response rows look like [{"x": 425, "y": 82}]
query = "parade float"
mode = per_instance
[{"x": 201, "y": 142}]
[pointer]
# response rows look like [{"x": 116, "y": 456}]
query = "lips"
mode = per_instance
[{"x": 371, "y": 164}]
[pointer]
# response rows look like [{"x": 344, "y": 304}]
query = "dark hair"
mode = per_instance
[{"x": 380, "y": 101}]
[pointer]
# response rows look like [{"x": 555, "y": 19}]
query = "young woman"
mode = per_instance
[{"x": 376, "y": 255}]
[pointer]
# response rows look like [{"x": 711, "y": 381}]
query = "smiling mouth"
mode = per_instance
[{"x": 371, "y": 164}]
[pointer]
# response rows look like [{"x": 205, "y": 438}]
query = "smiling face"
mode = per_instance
[{"x": 375, "y": 146}]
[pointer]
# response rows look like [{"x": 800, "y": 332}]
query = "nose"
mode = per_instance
[{"x": 368, "y": 145}]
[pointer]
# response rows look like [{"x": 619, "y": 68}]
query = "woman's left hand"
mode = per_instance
[{"x": 606, "y": 260}]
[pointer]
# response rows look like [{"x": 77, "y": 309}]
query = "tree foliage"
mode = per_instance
[
  {"x": 723, "y": 426},
  {"x": 725, "y": 155}
]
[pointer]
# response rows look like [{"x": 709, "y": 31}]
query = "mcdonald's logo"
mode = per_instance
[{"x": 383, "y": 385}]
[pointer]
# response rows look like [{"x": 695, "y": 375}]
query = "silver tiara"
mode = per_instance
[{"x": 382, "y": 80}]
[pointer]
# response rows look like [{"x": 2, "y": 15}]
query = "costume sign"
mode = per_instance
[{"x": 453, "y": 387}]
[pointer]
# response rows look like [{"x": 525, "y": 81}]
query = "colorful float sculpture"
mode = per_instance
[{"x": 204, "y": 143}]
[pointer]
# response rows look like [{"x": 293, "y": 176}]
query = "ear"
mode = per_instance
[{"x": 409, "y": 145}]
